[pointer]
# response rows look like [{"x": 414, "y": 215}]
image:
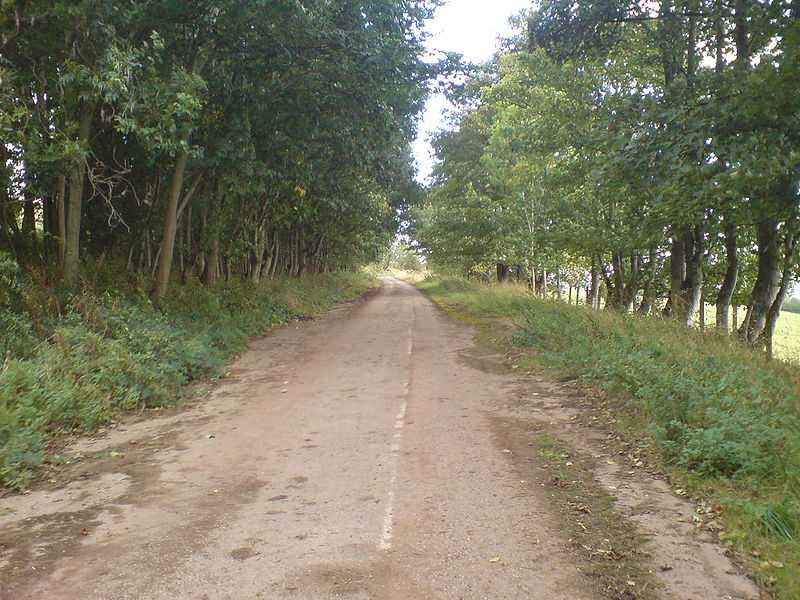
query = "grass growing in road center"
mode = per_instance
[{"x": 725, "y": 419}]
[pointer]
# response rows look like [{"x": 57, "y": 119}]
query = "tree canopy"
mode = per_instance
[
  {"x": 651, "y": 148},
  {"x": 243, "y": 137}
]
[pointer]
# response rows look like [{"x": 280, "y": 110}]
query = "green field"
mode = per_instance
[
  {"x": 787, "y": 337},
  {"x": 786, "y": 345}
]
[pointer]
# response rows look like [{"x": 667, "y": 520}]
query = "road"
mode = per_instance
[{"x": 363, "y": 456}]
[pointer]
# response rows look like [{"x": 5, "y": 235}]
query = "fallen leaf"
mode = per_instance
[
  {"x": 496, "y": 559},
  {"x": 579, "y": 507}
]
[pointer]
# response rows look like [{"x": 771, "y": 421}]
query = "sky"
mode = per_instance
[{"x": 471, "y": 28}]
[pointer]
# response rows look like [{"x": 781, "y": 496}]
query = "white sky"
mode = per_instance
[{"x": 471, "y": 28}]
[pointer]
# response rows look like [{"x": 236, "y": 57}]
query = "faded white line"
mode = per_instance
[{"x": 388, "y": 516}]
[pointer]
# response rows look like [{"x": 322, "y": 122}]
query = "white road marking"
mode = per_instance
[{"x": 388, "y": 516}]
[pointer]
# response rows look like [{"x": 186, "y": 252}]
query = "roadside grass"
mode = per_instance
[
  {"x": 786, "y": 343},
  {"x": 724, "y": 420},
  {"x": 75, "y": 365},
  {"x": 610, "y": 543}
]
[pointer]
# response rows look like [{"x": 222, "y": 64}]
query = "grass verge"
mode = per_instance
[
  {"x": 609, "y": 550},
  {"x": 723, "y": 418},
  {"x": 74, "y": 365}
]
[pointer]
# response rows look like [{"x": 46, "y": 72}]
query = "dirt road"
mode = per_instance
[{"x": 374, "y": 454}]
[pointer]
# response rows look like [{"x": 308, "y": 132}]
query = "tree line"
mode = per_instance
[
  {"x": 208, "y": 137},
  {"x": 651, "y": 149}
]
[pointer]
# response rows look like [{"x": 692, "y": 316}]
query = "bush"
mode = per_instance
[{"x": 714, "y": 408}]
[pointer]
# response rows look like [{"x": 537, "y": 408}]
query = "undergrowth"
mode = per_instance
[
  {"x": 75, "y": 363},
  {"x": 726, "y": 419}
]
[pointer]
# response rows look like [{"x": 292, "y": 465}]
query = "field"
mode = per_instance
[
  {"x": 787, "y": 337},
  {"x": 787, "y": 334}
]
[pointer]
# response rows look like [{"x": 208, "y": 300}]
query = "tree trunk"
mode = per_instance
[
  {"x": 702, "y": 314},
  {"x": 541, "y": 284},
  {"x": 774, "y": 312},
  {"x": 502, "y": 272},
  {"x": 28, "y": 215},
  {"x": 742, "y": 35},
  {"x": 677, "y": 273},
  {"x": 728, "y": 286},
  {"x": 211, "y": 271},
  {"x": 649, "y": 289},
  {"x": 594, "y": 285},
  {"x": 767, "y": 283},
  {"x": 691, "y": 288},
  {"x": 77, "y": 176},
  {"x": 167, "y": 247},
  {"x": 559, "y": 291}
]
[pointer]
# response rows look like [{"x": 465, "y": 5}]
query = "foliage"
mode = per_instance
[
  {"x": 228, "y": 137},
  {"x": 648, "y": 149},
  {"x": 403, "y": 257}
]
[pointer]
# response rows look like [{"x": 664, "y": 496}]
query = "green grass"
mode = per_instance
[
  {"x": 75, "y": 365},
  {"x": 725, "y": 420}
]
